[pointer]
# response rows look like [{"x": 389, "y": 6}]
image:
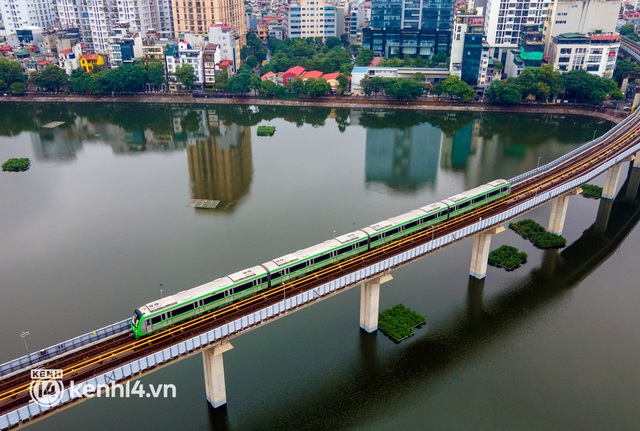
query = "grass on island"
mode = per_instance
[
  {"x": 507, "y": 257},
  {"x": 399, "y": 322},
  {"x": 537, "y": 234},
  {"x": 591, "y": 191},
  {"x": 16, "y": 165},
  {"x": 266, "y": 130}
]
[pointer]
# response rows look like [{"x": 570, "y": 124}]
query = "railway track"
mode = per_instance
[{"x": 99, "y": 358}]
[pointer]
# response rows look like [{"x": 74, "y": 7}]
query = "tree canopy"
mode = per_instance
[{"x": 10, "y": 72}]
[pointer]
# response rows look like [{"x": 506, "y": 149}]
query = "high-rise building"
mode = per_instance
[
  {"x": 198, "y": 16},
  {"x": 309, "y": 18},
  {"x": 26, "y": 13},
  {"x": 504, "y": 20},
  {"x": 409, "y": 27}
]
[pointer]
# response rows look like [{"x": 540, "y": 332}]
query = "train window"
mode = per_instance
[
  {"x": 213, "y": 298},
  {"x": 182, "y": 309},
  {"x": 393, "y": 231},
  {"x": 464, "y": 204},
  {"x": 299, "y": 266},
  {"x": 275, "y": 275},
  {"x": 322, "y": 257},
  {"x": 362, "y": 243},
  {"x": 243, "y": 287},
  {"x": 156, "y": 319}
]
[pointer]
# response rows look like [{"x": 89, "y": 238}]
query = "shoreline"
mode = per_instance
[{"x": 333, "y": 102}]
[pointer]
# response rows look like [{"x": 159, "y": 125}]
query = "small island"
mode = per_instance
[
  {"x": 399, "y": 322},
  {"x": 507, "y": 257},
  {"x": 266, "y": 130},
  {"x": 16, "y": 164},
  {"x": 538, "y": 235},
  {"x": 591, "y": 191}
]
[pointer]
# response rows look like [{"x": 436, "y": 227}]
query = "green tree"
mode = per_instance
[
  {"x": 251, "y": 62},
  {"x": 296, "y": 86},
  {"x": 10, "y": 72},
  {"x": 364, "y": 57},
  {"x": 629, "y": 31},
  {"x": 155, "y": 74},
  {"x": 624, "y": 67},
  {"x": 270, "y": 89},
  {"x": 404, "y": 89},
  {"x": 17, "y": 88},
  {"x": 504, "y": 92},
  {"x": 51, "y": 78},
  {"x": 222, "y": 80},
  {"x": 255, "y": 83},
  {"x": 343, "y": 83},
  {"x": 80, "y": 81},
  {"x": 316, "y": 87},
  {"x": 240, "y": 83},
  {"x": 186, "y": 75}
]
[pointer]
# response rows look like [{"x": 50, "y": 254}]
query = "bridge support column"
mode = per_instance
[
  {"x": 636, "y": 160},
  {"x": 611, "y": 182},
  {"x": 559, "y": 207},
  {"x": 480, "y": 253},
  {"x": 370, "y": 302},
  {"x": 633, "y": 185},
  {"x": 214, "y": 374}
]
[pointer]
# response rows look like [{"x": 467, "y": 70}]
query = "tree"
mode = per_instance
[
  {"x": 251, "y": 61},
  {"x": 17, "y": 88},
  {"x": 80, "y": 81},
  {"x": 240, "y": 83},
  {"x": 364, "y": 57},
  {"x": 629, "y": 31},
  {"x": 186, "y": 75},
  {"x": 255, "y": 83},
  {"x": 454, "y": 87},
  {"x": 155, "y": 74},
  {"x": 222, "y": 80},
  {"x": 624, "y": 67},
  {"x": 373, "y": 85},
  {"x": 296, "y": 86},
  {"x": 316, "y": 87},
  {"x": 504, "y": 92},
  {"x": 343, "y": 83},
  {"x": 404, "y": 89},
  {"x": 10, "y": 72},
  {"x": 51, "y": 78},
  {"x": 270, "y": 89}
]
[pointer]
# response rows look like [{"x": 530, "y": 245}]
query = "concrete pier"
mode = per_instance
[
  {"x": 634, "y": 182},
  {"x": 370, "y": 302},
  {"x": 611, "y": 182},
  {"x": 559, "y": 207},
  {"x": 636, "y": 160},
  {"x": 214, "y": 374},
  {"x": 480, "y": 253}
]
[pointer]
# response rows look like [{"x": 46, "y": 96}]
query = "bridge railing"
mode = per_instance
[
  {"x": 571, "y": 154},
  {"x": 67, "y": 346}
]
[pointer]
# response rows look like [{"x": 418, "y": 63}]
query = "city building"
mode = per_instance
[
  {"x": 409, "y": 28},
  {"x": 229, "y": 44},
  {"x": 594, "y": 52},
  {"x": 504, "y": 20},
  {"x": 529, "y": 53},
  {"x": 309, "y": 18},
  {"x": 469, "y": 50},
  {"x": 18, "y": 14},
  {"x": 197, "y": 16}
]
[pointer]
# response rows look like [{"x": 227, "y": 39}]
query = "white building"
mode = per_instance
[
  {"x": 69, "y": 57},
  {"x": 124, "y": 46},
  {"x": 26, "y": 13},
  {"x": 503, "y": 19},
  {"x": 580, "y": 16},
  {"x": 309, "y": 18},
  {"x": 147, "y": 16},
  {"x": 180, "y": 54},
  {"x": 228, "y": 43},
  {"x": 596, "y": 53}
]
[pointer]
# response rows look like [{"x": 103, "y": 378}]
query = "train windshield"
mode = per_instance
[{"x": 136, "y": 317}]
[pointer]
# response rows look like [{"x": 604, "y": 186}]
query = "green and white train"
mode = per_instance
[{"x": 170, "y": 310}]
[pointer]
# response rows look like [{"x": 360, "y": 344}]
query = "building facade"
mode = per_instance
[{"x": 309, "y": 18}]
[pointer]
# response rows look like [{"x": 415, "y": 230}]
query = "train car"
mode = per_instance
[
  {"x": 396, "y": 227},
  {"x": 477, "y": 197},
  {"x": 297, "y": 264},
  {"x": 170, "y": 310}
]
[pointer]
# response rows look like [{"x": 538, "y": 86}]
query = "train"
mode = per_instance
[{"x": 170, "y": 310}]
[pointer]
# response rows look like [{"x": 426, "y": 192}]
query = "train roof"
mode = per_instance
[
  {"x": 204, "y": 289},
  {"x": 433, "y": 207},
  {"x": 452, "y": 200},
  {"x": 308, "y": 252}
]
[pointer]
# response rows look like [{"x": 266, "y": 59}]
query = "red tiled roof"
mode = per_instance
[
  {"x": 296, "y": 70},
  {"x": 605, "y": 37},
  {"x": 65, "y": 51},
  {"x": 267, "y": 75},
  {"x": 44, "y": 63},
  {"x": 5, "y": 48},
  {"x": 312, "y": 74},
  {"x": 330, "y": 76},
  {"x": 90, "y": 57}
]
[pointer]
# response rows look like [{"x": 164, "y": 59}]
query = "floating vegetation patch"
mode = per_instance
[
  {"x": 16, "y": 165},
  {"x": 537, "y": 234},
  {"x": 266, "y": 130},
  {"x": 591, "y": 191},
  {"x": 507, "y": 257},
  {"x": 399, "y": 322}
]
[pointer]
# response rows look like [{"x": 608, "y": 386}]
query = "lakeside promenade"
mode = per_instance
[{"x": 424, "y": 104}]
